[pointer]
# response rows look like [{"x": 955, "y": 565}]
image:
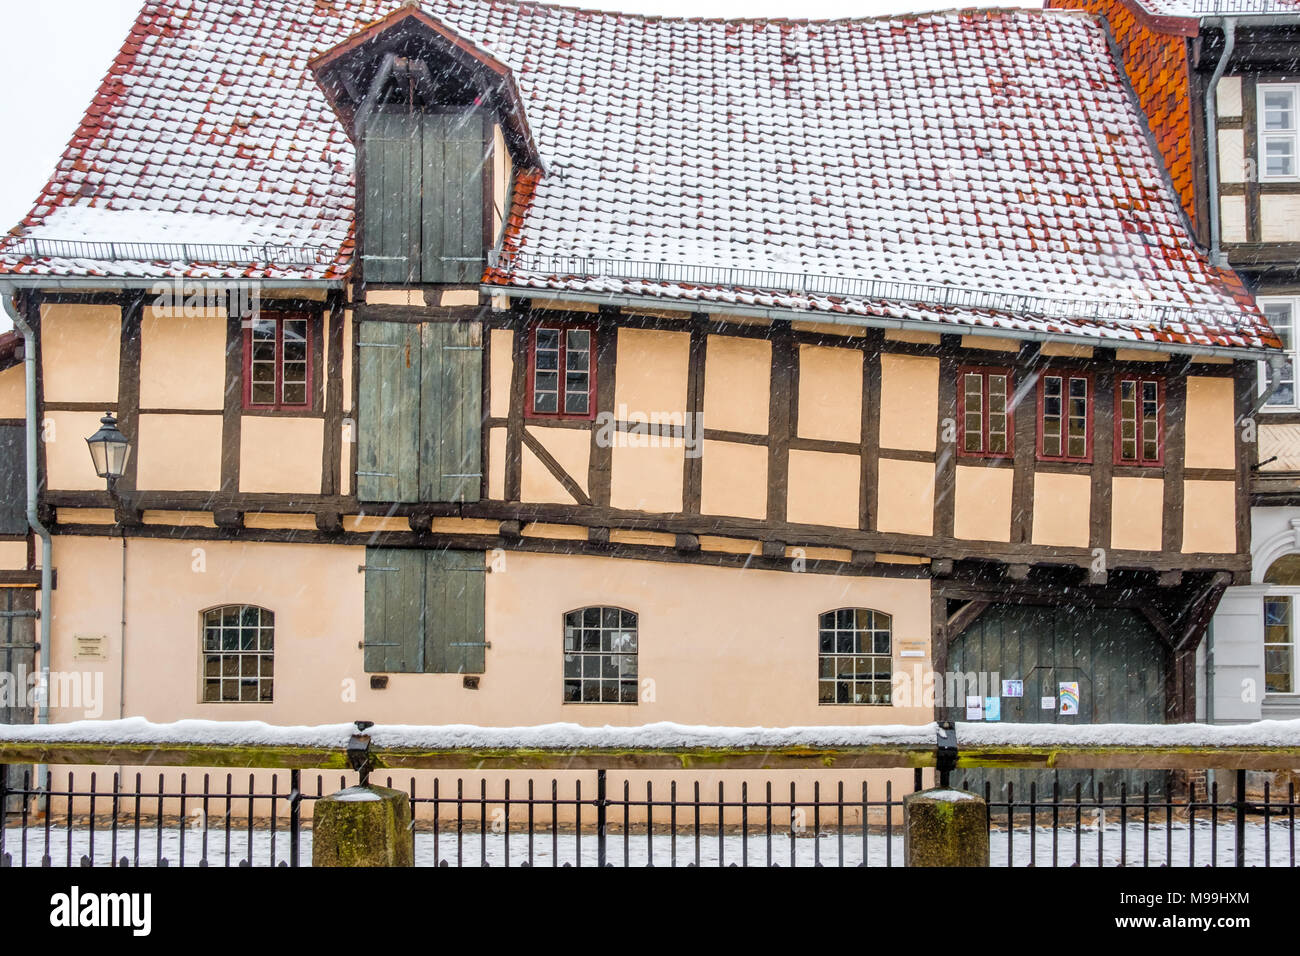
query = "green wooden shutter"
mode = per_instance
[
  {"x": 424, "y": 611},
  {"x": 388, "y": 415},
  {"x": 454, "y": 153},
  {"x": 393, "y": 160},
  {"x": 451, "y": 411},
  {"x": 13, "y": 479},
  {"x": 395, "y": 611},
  {"x": 454, "y": 602}
]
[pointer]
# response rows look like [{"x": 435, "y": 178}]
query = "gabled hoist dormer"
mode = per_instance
[{"x": 439, "y": 129}]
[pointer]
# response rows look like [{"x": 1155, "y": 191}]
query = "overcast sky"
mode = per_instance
[{"x": 47, "y": 85}]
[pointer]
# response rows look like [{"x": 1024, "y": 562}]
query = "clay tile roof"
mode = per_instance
[{"x": 971, "y": 167}]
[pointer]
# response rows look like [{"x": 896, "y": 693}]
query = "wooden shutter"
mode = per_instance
[
  {"x": 454, "y": 152},
  {"x": 388, "y": 426},
  {"x": 395, "y": 613},
  {"x": 451, "y": 416},
  {"x": 454, "y": 610},
  {"x": 424, "y": 611},
  {"x": 392, "y": 164},
  {"x": 13, "y": 480}
]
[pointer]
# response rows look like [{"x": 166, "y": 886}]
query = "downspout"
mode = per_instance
[
  {"x": 1212, "y": 139},
  {"x": 1276, "y": 366},
  {"x": 29, "y": 362}
]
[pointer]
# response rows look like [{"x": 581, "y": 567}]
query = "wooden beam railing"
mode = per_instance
[{"x": 23, "y": 746}]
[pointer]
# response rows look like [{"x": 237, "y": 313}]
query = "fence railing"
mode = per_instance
[
  {"x": 192, "y": 252},
  {"x": 593, "y": 804},
  {"x": 1117, "y": 309}
]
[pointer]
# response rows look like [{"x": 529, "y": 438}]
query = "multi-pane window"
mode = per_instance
[
  {"x": 1281, "y": 315},
  {"x": 1279, "y": 644},
  {"x": 277, "y": 362},
  {"x": 1065, "y": 406},
  {"x": 1139, "y": 420},
  {"x": 1278, "y": 140},
  {"x": 854, "y": 657},
  {"x": 984, "y": 412},
  {"x": 238, "y": 654},
  {"x": 561, "y": 380},
  {"x": 600, "y": 647}
]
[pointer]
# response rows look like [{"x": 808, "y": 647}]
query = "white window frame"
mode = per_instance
[
  {"x": 1263, "y": 137},
  {"x": 848, "y": 621},
  {"x": 1292, "y": 592},
  {"x": 1293, "y": 353}
]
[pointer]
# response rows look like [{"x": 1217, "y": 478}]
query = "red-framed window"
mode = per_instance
[
  {"x": 277, "y": 362},
  {"x": 984, "y": 419},
  {"x": 1140, "y": 420},
  {"x": 561, "y": 371},
  {"x": 1065, "y": 402}
]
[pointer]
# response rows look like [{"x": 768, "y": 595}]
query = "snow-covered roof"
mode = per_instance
[{"x": 918, "y": 168}]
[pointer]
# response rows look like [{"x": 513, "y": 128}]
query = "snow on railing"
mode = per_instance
[
  {"x": 167, "y": 251},
  {"x": 805, "y": 284},
  {"x": 1248, "y": 7},
  {"x": 136, "y": 733}
]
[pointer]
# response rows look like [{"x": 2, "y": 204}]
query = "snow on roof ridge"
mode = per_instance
[{"x": 780, "y": 21}]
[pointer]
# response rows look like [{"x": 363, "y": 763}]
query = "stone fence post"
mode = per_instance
[
  {"x": 362, "y": 826},
  {"x": 943, "y": 827}
]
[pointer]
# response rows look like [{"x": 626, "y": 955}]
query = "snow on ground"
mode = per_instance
[
  {"x": 563, "y": 736},
  {"x": 570, "y": 848}
]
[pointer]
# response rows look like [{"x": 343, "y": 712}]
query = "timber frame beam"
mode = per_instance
[{"x": 939, "y": 549}]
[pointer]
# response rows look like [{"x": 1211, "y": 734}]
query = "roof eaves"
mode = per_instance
[
  {"x": 1243, "y": 352},
  {"x": 409, "y": 11}
]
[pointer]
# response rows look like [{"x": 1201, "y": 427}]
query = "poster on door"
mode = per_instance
[{"x": 1069, "y": 694}]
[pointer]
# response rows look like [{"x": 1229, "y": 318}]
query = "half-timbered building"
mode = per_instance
[
  {"x": 503, "y": 363},
  {"x": 1219, "y": 87}
]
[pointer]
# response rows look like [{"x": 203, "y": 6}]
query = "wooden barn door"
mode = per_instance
[
  {"x": 17, "y": 653},
  {"x": 1111, "y": 653},
  {"x": 18, "y": 661}
]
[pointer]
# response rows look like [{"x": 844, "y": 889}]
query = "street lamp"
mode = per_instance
[{"x": 109, "y": 450}]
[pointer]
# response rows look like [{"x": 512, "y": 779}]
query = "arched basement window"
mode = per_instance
[
  {"x": 238, "y": 654},
  {"x": 1280, "y": 624},
  {"x": 855, "y": 657},
  {"x": 600, "y": 651}
]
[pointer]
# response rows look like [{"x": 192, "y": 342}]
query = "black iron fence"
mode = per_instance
[{"x": 198, "y": 818}]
